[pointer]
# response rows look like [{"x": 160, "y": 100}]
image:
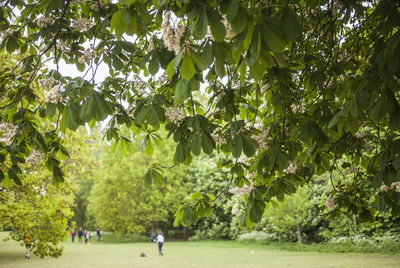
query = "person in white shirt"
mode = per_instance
[{"x": 160, "y": 242}]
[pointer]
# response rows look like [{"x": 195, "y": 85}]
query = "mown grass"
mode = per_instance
[{"x": 187, "y": 254}]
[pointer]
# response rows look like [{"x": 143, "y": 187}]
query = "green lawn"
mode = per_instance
[{"x": 187, "y": 254}]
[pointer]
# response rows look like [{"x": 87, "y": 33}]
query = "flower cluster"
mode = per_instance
[
  {"x": 163, "y": 79},
  {"x": 171, "y": 37},
  {"x": 291, "y": 169},
  {"x": 230, "y": 33},
  {"x": 243, "y": 159},
  {"x": 330, "y": 202},
  {"x": 62, "y": 46},
  {"x": 384, "y": 188},
  {"x": 35, "y": 157},
  {"x": 97, "y": 5},
  {"x": 139, "y": 85},
  {"x": 175, "y": 115},
  {"x": 236, "y": 210},
  {"x": 82, "y": 24},
  {"x": 44, "y": 22},
  {"x": 350, "y": 171},
  {"x": 54, "y": 94},
  {"x": 217, "y": 136},
  {"x": 368, "y": 146},
  {"x": 242, "y": 191},
  {"x": 47, "y": 83},
  {"x": 360, "y": 134},
  {"x": 396, "y": 186},
  {"x": 298, "y": 108},
  {"x": 261, "y": 139},
  {"x": 87, "y": 56},
  {"x": 9, "y": 131}
]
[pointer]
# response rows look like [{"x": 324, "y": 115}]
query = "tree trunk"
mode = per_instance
[
  {"x": 186, "y": 233},
  {"x": 355, "y": 224},
  {"x": 298, "y": 233},
  {"x": 153, "y": 227}
]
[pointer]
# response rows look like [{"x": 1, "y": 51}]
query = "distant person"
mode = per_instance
[
  {"x": 85, "y": 235},
  {"x": 80, "y": 233},
  {"x": 160, "y": 242},
  {"x": 98, "y": 234},
  {"x": 153, "y": 237},
  {"x": 73, "y": 235},
  {"x": 28, "y": 245}
]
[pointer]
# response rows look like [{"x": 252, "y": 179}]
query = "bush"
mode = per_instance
[
  {"x": 258, "y": 237},
  {"x": 387, "y": 243},
  {"x": 108, "y": 237}
]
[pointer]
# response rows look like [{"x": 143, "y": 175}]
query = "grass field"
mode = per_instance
[{"x": 188, "y": 255}]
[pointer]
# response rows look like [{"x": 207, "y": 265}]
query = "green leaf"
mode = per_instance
[
  {"x": 219, "y": 67},
  {"x": 72, "y": 119},
  {"x": 154, "y": 64},
  {"x": 233, "y": 9},
  {"x": 182, "y": 90},
  {"x": 237, "y": 147},
  {"x": 174, "y": 64},
  {"x": 116, "y": 23},
  {"x": 187, "y": 217},
  {"x": 291, "y": 24},
  {"x": 249, "y": 146},
  {"x": 196, "y": 145},
  {"x": 272, "y": 39},
  {"x": 180, "y": 153},
  {"x": 207, "y": 143},
  {"x": 217, "y": 27},
  {"x": 58, "y": 175},
  {"x": 240, "y": 22},
  {"x": 187, "y": 68},
  {"x": 200, "y": 27}
]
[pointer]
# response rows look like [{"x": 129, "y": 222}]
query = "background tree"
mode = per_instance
[
  {"x": 294, "y": 86},
  {"x": 121, "y": 202}
]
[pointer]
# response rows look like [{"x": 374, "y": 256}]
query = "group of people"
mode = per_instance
[
  {"x": 87, "y": 235},
  {"x": 159, "y": 241}
]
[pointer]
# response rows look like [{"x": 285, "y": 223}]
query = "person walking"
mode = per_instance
[
  {"x": 80, "y": 233},
  {"x": 28, "y": 244},
  {"x": 160, "y": 242},
  {"x": 73, "y": 235},
  {"x": 85, "y": 235},
  {"x": 98, "y": 234}
]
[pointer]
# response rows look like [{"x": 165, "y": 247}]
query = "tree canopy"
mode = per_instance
[{"x": 295, "y": 88}]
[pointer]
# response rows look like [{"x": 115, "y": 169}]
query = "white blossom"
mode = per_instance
[
  {"x": 175, "y": 115},
  {"x": 35, "y": 157},
  {"x": 171, "y": 36},
  {"x": 350, "y": 171},
  {"x": 368, "y": 146},
  {"x": 230, "y": 33},
  {"x": 8, "y": 131},
  {"x": 97, "y": 5},
  {"x": 330, "y": 202},
  {"x": 291, "y": 169},
  {"x": 236, "y": 210},
  {"x": 262, "y": 138},
  {"x": 87, "y": 56},
  {"x": 54, "y": 94},
  {"x": 47, "y": 83},
  {"x": 139, "y": 85},
  {"x": 82, "y": 24},
  {"x": 243, "y": 159},
  {"x": 360, "y": 134},
  {"x": 44, "y": 22},
  {"x": 396, "y": 186},
  {"x": 217, "y": 136},
  {"x": 242, "y": 191},
  {"x": 384, "y": 188}
]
